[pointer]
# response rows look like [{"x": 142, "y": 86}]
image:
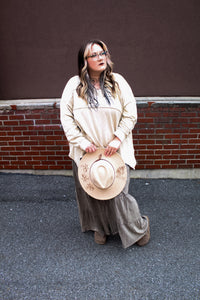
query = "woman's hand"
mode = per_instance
[
  {"x": 91, "y": 148},
  {"x": 112, "y": 147}
]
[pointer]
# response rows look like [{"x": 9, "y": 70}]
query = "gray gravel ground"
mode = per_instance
[{"x": 44, "y": 255}]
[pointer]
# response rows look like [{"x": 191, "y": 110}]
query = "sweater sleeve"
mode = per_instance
[
  {"x": 129, "y": 109},
  {"x": 70, "y": 127}
]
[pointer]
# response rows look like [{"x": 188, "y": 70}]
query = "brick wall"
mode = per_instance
[{"x": 167, "y": 136}]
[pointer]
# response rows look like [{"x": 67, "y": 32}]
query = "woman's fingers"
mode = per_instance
[
  {"x": 110, "y": 151},
  {"x": 91, "y": 148},
  {"x": 112, "y": 147}
]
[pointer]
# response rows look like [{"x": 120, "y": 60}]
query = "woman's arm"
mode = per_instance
[
  {"x": 70, "y": 127},
  {"x": 128, "y": 117},
  {"x": 129, "y": 109}
]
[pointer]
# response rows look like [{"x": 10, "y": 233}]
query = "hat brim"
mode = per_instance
[{"x": 119, "y": 179}]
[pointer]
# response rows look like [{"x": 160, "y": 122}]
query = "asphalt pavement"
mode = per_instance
[{"x": 44, "y": 255}]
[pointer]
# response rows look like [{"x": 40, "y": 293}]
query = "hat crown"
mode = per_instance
[
  {"x": 102, "y": 174},
  {"x": 102, "y": 177}
]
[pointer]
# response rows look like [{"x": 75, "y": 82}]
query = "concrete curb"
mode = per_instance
[
  {"x": 55, "y": 103},
  {"x": 139, "y": 174}
]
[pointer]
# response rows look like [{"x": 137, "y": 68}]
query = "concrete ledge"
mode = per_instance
[
  {"x": 167, "y": 173},
  {"x": 29, "y": 104},
  {"x": 138, "y": 174},
  {"x": 55, "y": 103}
]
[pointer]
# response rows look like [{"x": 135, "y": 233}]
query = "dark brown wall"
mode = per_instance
[{"x": 154, "y": 44}]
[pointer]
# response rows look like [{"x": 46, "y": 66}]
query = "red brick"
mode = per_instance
[
  {"x": 145, "y": 120},
  {"x": 185, "y": 166},
  {"x": 9, "y": 158},
  {"x": 152, "y": 114},
  {"x": 153, "y": 157},
  {"x": 55, "y": 157},
  {"x": 22, "y": 148},
  {"x": 22, "y": 138},
  {"x": 56, "y": 167},
  {"x": 170, "y": 115},
  {"x": 163, "y": 142},
  {"x": 140, "y": 157},
  {"x": 46, "y": 143},
  {"x": 42, "y": 158},
  {"x": 144, "y": 161},
  {"x": 180, "y": 141},
  {"x": 194, "y": 120},
  {"x": 154, "y": 146},
  {"x": 61, "y": 163},
  {"x": 24, "y": 158},
  {"x": 39, "y": 148},
  {"x": 188, "y": 146},
  {"x": 196, "y": 165},
  {"x": 39, "y": 138},
  {"x": 14, "y": 133},
  {"x": 172, "y": 136},
  {"x": 16, "y": 117},
  {"x": 147, "y": 142},
  {"x": 194, "y": 141},
  {"x": 162, "y": 161},
  {"x": 41, "y": 167},
  {"x": 162, "y": 152},
  {"x": 193, "y": 161},
  {"x": 170, "y": 156},
  {"x": 45, "y": 133},
  {"x": 177, "y": 161},
  {"x": 8, "y": 148},
  {"x": 179, "y": 151},
  {"x": 44, "y": 122},
  {"x": 164, "y": 131},
  {"x": 152, "y": 167},
  {"x": 30, "y": 143},
  {"x": 53, "y": 127},
  {"x": 3, "y": 117},
  {"x": 192, "y": 151},
  {"x": 7, "y": 138},
  {"x": 167, "y": 166},
  {"x": 33, "y": 116},
  {"x": 188, "y": 156},
  {"x": 11, "y": 123},
  {"x": 17, "y": 153},
  {"x": 189, "y": 136},
  {"x": 15, "y": 143},
  {"x": 21, "y": 128},
  {"x": 26, "y": 122},
  {"x": 9, "y": 167},
  {"x": 49, "y": 162},
  {"x": 47, "y": 152},
  {"x": 54, "y": 138},
  {"x": 149, "y": 152},
  {"x": 195, "y": 130},
  {"x": 31, "y": 153}
]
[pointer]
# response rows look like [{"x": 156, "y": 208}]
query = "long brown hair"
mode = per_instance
[{"x": 108, "y": 85}]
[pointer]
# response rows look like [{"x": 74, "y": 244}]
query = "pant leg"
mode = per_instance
[
  {"x": 118, "y": 215},
  {"x": 131, "y": 225},
  {"x": 95, "y": 215}
]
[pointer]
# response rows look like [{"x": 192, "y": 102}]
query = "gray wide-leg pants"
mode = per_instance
[{"x": 118, "y": 215}]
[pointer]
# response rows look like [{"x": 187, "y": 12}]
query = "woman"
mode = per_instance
[{"x": 98, "y": 110}]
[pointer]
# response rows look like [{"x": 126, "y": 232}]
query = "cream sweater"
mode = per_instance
[{"x": 83, "y": 125}]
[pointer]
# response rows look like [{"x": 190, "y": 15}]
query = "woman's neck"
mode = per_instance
[{"x": 95, "y": 82}]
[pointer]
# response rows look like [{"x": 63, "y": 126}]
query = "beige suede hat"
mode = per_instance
[{"x": 102, "y": 177}]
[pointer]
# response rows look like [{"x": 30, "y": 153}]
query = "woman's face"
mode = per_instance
[{"x": 96, "y": 64}]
